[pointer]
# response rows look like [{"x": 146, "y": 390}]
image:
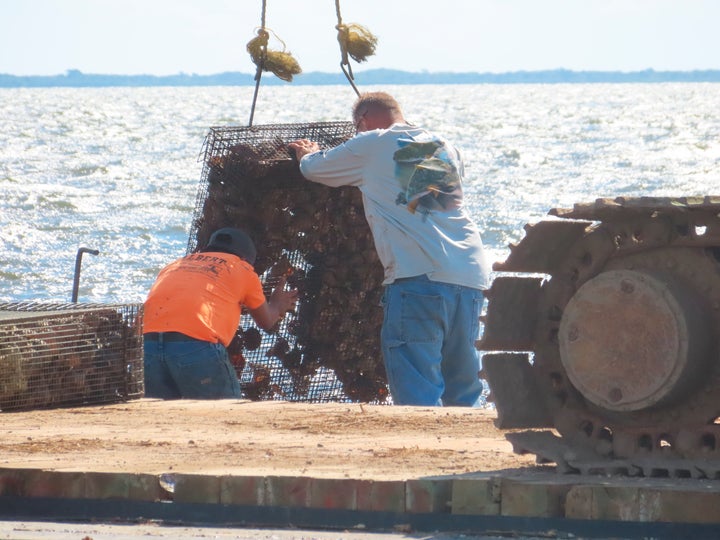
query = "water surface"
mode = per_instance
[{"x": 116, "y": 169}]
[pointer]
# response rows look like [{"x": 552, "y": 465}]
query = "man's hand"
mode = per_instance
[
  {"x": 279, "y": 303},
  {"x": 281, "y": 299},
  {"x": 302, "y": 147}
]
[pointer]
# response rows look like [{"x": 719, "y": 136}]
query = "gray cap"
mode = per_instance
[{"x": 235, "y": 241}]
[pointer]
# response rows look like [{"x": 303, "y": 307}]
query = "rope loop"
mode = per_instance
[
  {"x": 281, "y": 63},
  {"x": 356, "y": 42},
  {"x": 343, "y": 38}
]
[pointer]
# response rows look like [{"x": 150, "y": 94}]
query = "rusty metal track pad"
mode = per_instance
[
  {"x": 549, "y": 448},
  {"x": 544, "y": 245},
  {"x": 511, "y": 315},
  {"x": 515, "y": 394},
  {"x": 609, "y": 209}
]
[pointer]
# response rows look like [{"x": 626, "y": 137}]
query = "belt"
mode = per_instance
[{"x": 166, "y": 337}]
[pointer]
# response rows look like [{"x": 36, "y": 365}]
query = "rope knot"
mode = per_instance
[
  {"x": 356, "y": 40},
  {"x": 281, "y": 63}
]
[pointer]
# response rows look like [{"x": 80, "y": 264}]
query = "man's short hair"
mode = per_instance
[{"x": 375, "y": 101}]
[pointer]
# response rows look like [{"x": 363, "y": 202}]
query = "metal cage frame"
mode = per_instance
[
  {"x": 316, "y": 236},
  {"x": 57, "y": 355}
]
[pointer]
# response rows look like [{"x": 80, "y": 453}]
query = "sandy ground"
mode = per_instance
[
  {"x": 259, "y": 438},
  {"x": 29, "y": 530}
]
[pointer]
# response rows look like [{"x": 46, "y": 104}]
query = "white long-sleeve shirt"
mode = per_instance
[{"x": 411, "y": 184}]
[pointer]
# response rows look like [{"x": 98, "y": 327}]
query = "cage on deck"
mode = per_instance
[
  {"x": 329, "y": 348},
  {"x": 57, "y": 355}
]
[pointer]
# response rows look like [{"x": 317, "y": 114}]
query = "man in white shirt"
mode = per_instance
[{"x": 431, "y": 250}]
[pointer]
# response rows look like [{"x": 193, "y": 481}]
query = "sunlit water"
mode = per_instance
[{"x": 116, "y": 169}]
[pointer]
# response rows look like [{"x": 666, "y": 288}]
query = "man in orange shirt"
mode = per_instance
[{"x": 192, "y": 314}]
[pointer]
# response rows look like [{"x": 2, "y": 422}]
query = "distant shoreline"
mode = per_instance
[{"x": 74, "y": 78}]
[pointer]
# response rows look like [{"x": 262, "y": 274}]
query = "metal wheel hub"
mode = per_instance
[{"x": 630, "y": 340}]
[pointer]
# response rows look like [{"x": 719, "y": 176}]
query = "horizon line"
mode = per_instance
[
  {"x": 75, "y": 78},
  {"x": 74, "y": 71}
]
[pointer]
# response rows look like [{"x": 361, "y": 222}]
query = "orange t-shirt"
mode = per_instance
[{"x": 201, "y": 295}]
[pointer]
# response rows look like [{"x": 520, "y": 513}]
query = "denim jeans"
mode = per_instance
[
  {"x": 188, "y": 368},
  {"x": 428, "y": 342}
]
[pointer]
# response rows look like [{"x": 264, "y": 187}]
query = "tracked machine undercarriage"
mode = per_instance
[{"x": 602, "y": 338}]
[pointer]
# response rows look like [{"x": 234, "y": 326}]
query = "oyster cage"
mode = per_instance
[
  {"x": 316, "y": 236},
  {"x": 59, "y": 355}
]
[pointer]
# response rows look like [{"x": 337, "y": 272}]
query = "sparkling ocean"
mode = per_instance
[{"x": 117, "y": 169}]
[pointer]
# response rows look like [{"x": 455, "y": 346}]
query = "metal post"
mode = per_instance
[{"x": 78, "y": 263}]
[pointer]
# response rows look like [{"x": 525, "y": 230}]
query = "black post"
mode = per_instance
[{"x": 78, "y": 263}]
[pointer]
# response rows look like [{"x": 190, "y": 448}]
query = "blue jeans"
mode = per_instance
[
  {"x": 428, "y": 342},
  {"x": 188, "y": 368}
]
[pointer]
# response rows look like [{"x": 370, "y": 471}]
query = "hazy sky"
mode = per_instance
[{"x": 160, "y": 37}]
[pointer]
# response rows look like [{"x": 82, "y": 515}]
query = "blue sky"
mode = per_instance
[{"x": 160, "y": 37}]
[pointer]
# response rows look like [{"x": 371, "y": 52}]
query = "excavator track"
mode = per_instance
[{"x": 604, "y": 327}]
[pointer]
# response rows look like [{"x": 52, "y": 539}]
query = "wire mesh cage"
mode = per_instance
[
  {"x": 57, "y": 355},
  {"x": 316, "y": 236}
]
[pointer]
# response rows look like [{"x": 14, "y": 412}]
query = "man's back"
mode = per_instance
[{"x": 411, "y": 182}]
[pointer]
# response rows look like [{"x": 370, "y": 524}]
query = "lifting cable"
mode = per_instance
[
  {"x": 355, "y": 41},
  {"x": 280, "y": 63}
]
